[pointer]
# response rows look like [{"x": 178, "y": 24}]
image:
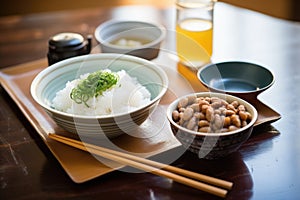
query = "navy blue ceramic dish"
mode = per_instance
[{"x": 236, "y": 78}]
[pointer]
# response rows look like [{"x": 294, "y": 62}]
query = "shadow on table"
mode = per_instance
[
  {"x": 260, "y": 141},
  {"x": 231, "y": 168},
  {"x": 119, "y": 184}
]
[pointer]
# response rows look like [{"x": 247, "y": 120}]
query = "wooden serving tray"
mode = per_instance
[{"x": 154, "y": 136}]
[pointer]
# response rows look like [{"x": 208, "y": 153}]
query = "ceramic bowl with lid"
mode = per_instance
[{"x": 66, "y": 45}]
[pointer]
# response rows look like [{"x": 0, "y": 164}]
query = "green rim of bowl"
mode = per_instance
[{"x": 113, "y": 56}]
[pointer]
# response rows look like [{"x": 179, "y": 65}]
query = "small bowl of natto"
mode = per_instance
[{"x": 211, "y": 125}]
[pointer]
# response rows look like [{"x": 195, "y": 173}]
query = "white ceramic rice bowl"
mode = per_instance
[{"x": 54, "y": 78}]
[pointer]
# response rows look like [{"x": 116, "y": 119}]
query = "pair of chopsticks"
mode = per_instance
[{"x": 207, "y": 184}]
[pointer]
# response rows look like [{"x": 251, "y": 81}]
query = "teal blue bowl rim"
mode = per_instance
[{"x": 252, "y": 92}]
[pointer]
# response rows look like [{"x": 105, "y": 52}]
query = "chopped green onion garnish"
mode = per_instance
[{"x": 95, "y": 84}]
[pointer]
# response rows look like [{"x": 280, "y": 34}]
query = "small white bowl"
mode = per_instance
[
  {"x": 150, "y": 36},
  {"x": 54, "y": 78}
]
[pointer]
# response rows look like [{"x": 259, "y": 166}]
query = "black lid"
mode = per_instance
[{"x": 66, "y": 40}]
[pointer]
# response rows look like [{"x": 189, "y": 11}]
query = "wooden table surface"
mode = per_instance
[{"x": 267, "y": 166}]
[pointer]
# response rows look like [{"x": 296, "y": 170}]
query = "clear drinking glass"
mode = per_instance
[{"x": 194, "y": 31}]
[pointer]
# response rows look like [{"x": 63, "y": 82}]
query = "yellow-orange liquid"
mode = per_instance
[{"x": 194, "y": 41}]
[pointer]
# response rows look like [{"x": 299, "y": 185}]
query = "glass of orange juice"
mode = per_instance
[{"x": 194, "y": 31}]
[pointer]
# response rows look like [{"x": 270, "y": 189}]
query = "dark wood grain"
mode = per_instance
[{"x": 266, "y": 167}]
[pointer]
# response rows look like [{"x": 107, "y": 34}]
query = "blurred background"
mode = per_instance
[{"x": 285, "y": 9}]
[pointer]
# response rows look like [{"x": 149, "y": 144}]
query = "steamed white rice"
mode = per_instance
[{"x": 126, "y": 95}]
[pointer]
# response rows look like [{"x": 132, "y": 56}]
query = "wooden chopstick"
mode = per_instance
[
  {"x": 200, "y": 177},
  {"x": 152, "y": 167}
]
